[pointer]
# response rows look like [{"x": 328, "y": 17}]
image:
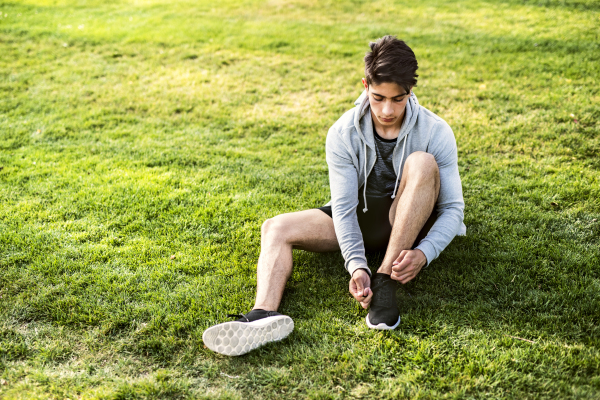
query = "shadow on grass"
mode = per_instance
[{"x": 511, "y": 286}]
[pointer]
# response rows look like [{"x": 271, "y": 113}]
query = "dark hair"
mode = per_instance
[{"x": 391, "y": 60}]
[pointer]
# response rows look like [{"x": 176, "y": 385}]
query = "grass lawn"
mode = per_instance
[{"x": 143, "y": 143}]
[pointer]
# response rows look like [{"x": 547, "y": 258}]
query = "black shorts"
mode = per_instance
[{"x": 375, "y": 223}]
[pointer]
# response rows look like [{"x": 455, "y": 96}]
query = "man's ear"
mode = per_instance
[{"x": 365, "y": 84}]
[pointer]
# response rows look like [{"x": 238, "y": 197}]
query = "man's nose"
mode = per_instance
[{"x": 387, "y": 108}]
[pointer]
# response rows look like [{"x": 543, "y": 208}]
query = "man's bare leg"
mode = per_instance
[
  {"x": 415, "y": 200},
  {"x": 310, "y": 230}
]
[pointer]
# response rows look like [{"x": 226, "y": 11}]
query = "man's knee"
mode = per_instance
[
  {"x": 421, "y": 165},
  {"x": 274, "y": 228}
]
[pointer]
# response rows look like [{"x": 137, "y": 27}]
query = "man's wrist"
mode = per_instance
[
  {"x": 422, "y": 257},
  {"x": 353, "y": 266},
  {"x": 359, "y": 271},
  {"x": 428, "y": 251}
]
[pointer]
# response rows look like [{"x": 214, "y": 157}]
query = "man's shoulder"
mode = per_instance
[
  {"x": 343, "y": 134},
  {"x": 434, "y": 128},
  {"x": 438, "y": 133},
  {"x": 346, "y": 122},
  {"x": 430, "y": 119}
]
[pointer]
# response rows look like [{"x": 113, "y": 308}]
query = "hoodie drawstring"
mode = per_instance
[
  {"x": 365, "y": 187},
  {"x": 400, "y": 166}
]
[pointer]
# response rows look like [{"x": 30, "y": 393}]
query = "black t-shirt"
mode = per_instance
[{"x": 382, "y": 179}]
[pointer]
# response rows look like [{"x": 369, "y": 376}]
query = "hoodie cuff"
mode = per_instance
[
  {"x": 352, "y": 266},
  {"x": 427, "y": 249}
]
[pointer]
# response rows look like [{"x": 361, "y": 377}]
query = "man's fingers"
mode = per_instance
[
  {"x": 359, "y": 286},
  {"x": 400, "y": 257},
  {"x": 365, "y": 303},
  {"x": 356, "y": 293},
  {"x": 405, "y": 278},
  {"x": 363, "y": 297},
  {"x": 399, "y": 272},
  {"x": 402, "y": 274},
  {"x": 402, "y": 265},
  {"x": 367, "y": 294},
  {"x": 407, "y": 266}
]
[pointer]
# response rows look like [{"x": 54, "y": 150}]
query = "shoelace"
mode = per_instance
[{"x": 238, "y": 316}]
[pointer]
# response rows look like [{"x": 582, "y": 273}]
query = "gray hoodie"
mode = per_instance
[{"x": 350, "y": 154}]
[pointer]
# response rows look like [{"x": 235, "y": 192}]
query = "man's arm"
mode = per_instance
[
  {"x": 343, "y": 182},
  {"x": 450, "y": 204}
]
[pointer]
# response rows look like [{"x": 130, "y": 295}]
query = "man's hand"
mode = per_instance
[
  {"x": 360, "y": 287},
  {"x": 407, "y": 265}
]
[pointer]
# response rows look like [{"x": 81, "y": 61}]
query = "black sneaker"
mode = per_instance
[
  {"x": 383, "y": 313},
  {"x": 250, "y": 331}
]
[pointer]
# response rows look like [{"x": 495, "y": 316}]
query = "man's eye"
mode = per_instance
[
  {"x": 376, "y": 99},
  {"x": 399, "y": 99}
]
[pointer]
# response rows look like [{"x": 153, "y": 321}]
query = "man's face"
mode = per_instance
[{"x": 388, "y": 102}]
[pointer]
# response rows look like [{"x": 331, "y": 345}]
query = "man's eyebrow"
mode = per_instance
[{"x": 400, "y": 95}]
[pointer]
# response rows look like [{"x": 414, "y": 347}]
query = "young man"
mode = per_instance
[{"x": 395, "y": 187}]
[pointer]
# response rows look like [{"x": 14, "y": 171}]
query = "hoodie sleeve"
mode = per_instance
[
  {"x": 450, "y": 204},
  {"x": 343, "y": 181}
]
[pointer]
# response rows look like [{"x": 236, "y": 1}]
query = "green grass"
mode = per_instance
[{"x": 131, "y": 132}]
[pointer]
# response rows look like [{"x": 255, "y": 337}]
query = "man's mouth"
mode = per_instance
[{"x": 388, "y": 119}]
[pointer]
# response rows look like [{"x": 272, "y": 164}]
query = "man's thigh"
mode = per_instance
[{"x": 310, "y": 230}]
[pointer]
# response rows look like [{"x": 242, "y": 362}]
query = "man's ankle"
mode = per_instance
[
  {"x": 385, "y": 269},
  {"x": 263, "y": 308}
]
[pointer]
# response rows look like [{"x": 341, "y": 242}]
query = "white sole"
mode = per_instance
[
  {"x": 236, "y": 338},
  {"x": 382, "y": 326}
]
